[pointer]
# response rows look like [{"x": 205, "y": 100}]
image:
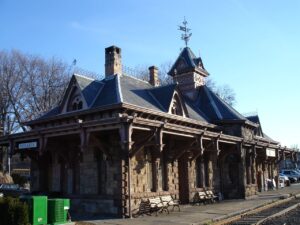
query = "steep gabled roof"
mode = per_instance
[
  {"x": 267, "y": 137},
  {"x": 163, "y": 95},
  {"x": 125, "y": 89},
  {"x": 108, "y": 94},
  {"x": 116, "y": 89},
  {"x": 255, "y": 119},
  {"x": 89, "y": 87},
  {"x": 135, "y": 91},
  {"x": 214, "y": 108}
]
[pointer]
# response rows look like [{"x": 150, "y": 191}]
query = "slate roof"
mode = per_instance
[
  {"x": 108, "y": 94},
  {"x": 89, "y": 88},
  {"x": 207, "y": 107},
  {"x": 214, "y": 108},
  {"x": 255, "y": 119},
  {"x": 116, "y": 89}
]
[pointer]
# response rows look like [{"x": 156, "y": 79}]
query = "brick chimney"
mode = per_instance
[
  {"x": 153, "y": 75},
  {"x": 113, "y": 61}
]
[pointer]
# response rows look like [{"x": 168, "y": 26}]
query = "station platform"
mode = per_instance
[{"x": 203, "y": 214}]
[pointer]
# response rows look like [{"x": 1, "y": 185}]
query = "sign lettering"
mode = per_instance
[
  {"x": 27, "y": 145},
  {"x": 270, "y": 152}
]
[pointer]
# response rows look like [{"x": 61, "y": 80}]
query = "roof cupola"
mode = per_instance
[{"x": 189, "y": 72}]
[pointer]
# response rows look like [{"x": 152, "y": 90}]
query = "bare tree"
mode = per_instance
[
  {"x": 225, "y": 92},
  {"x": 10, "y": 84},
  {"x": 164, "y": 68},
  {"x": 295, "y": 147},
  {"x": 30, "y": 86}
]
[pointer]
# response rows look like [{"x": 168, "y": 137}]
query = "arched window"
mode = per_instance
[
  {"x": 79, "y": 106},
  {"x": 176, "y": 108},
  {"x": 75, "y": 103}
]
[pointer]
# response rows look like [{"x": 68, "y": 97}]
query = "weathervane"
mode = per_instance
[{"x": 186, "y": 35}]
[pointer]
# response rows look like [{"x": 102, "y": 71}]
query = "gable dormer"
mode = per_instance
[
  {"x": 177, "y": 105},
  {"x": 73, "y": 99}
]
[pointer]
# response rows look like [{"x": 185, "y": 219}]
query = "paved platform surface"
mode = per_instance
[{"x": 193, "y": 215}]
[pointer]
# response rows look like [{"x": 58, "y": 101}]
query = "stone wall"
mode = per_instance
[
  {"x": 88, "y": 174},
  {"x": 54, "y": 179},
  {"x": 94, "y": 206},
  {"x": 250, "y": 190},
  {"x": 143, "y": 177}
]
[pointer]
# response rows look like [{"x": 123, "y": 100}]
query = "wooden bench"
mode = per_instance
[
  {"x": 144, "y": 209},
  {"x": 211, "y": 196},
  {"x": 168, "y": 201},
  {"x": 156, "y": 205},
  {"x": 201, "y": 197}
]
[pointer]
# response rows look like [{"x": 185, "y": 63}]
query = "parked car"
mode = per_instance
[
  {"x": 285, "y": 179},
  {"x": 281, "y": 182},
  {"x": 12, "y": 190},
  {"x": 293, "y": 175}
]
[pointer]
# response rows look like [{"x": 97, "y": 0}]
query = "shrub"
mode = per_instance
[{"x": 13, "y": 212}]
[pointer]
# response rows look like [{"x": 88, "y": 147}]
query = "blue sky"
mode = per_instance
[{"x": 252, "y": 45}]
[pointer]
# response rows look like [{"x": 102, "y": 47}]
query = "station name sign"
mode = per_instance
[
  {"x": 270, "y": 152},
  {"x": 28, "y": 145}
]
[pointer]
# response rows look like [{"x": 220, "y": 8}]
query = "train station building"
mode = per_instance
[{"x": 111, "y": 143}]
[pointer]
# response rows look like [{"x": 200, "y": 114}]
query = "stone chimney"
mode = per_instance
[
  {"x": 113, "y": 61},
  {"x": 153, "y": 75}
]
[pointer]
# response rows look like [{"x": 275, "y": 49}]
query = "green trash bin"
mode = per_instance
[
  {"x": 66, "y": 208},
  {"x": 58, "y": 211},
  {"x": 37, "y": 206}
]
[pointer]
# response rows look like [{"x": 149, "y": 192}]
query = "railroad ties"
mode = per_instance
[{"x": 261, "y": 215}]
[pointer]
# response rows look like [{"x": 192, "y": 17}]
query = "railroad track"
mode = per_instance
[{"x": 262, "y": 214}]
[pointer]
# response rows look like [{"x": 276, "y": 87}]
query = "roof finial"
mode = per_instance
[{"x": 186, "y": 35}]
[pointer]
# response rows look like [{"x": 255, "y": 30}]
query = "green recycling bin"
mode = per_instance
[
  {"x": 58, "y": 211},
  {"x": 37, "y": 206},
  {"x": 66, "y": 208}
]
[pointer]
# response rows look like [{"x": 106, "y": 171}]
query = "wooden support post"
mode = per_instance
[
  {"x": 242, "y": 166},
  {"x": 11, "y": 149},
  {"x": 159, "y": 138},
  {"x": 199, "y": 147},
  {"x": 42, "y": 144},
  {"x": 84, "y": 139},
  {"x": 253, "y": 165},
  {"x": 138, "y": 146},
  {"x": 283, "y": 155},
  {"x": 217, "y": 147}
]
